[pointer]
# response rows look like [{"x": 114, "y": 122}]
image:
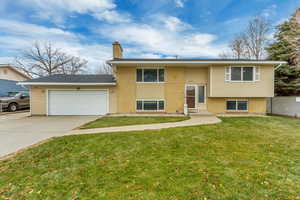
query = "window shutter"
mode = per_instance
[
  {"x": 257, "y": 73},
  {"x": 227, "y": 74}
]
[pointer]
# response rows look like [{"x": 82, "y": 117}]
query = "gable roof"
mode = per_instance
[
  {"x": 191, "y": 61},
  {"x": 79, "y": 79},
  {"x": 14, "y": 69}
]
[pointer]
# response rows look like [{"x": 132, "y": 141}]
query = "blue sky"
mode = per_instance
[{"x": 145, "y": 28}]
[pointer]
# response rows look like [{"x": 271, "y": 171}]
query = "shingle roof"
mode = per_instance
[{"x": 82, "y": 78}]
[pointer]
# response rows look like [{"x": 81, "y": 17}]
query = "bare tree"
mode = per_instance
[
  {"x": 104, "y": 69},
  {"x": 44, "y": 59},
  {"x": 255, "y": 37},
  {"x": 251, "y": 42},
  {"x": 238, "y": 48},
  {"x": 225, "y": 55}
]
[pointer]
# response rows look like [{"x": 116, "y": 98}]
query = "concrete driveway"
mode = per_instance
[{"x": 18, "y": 131}]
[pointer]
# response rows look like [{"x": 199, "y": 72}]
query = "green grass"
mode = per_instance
[
  {"x": 126, "y": 121},
  {"x": 241, "y": 158}
]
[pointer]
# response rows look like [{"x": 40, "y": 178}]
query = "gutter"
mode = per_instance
[
  {"x": 193, "y": 62},
  {"x": 69, "y": 84}
]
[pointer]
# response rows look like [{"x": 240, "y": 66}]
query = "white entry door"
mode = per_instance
[{"x": 77, "y": 102}]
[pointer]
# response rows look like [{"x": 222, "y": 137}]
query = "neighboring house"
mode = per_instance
[
  {"x": 158, "y": 85},
  {"x": 9, "y": 86},
  {"x": 9, "y": 77},
  {"x": 8, "y": 72}
]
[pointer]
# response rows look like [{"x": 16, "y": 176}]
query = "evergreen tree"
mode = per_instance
[{"x": 286, "y": 47}]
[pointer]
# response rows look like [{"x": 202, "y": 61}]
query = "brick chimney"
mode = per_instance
[{"x": 117, "y": 50}]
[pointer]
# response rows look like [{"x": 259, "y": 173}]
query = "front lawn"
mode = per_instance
[
  {"x": 125, "y": 121},
  {"x": 241, "y": 158}
]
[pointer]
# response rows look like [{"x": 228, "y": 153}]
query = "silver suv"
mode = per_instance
[{"x": 15, "y": 101}]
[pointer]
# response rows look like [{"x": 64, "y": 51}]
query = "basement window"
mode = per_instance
[
  {"x": 237, "y": 105},
  {"x": 150, "y": 105}
]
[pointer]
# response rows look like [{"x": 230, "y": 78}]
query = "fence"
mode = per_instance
[{"x": 284, "y": 105}]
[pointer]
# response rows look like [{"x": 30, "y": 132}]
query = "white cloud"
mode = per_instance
[
  {"x": 179, "y": 3},
  {"x": 150, "y": 55},
  {"x": 57, "y": 10},
  {"x": 162, "y": 40},
  {"x": 174, "y": 23},
  {"x": 232, "y": 21},
  {"x": 16, "y": 36},
  {"x": 269, "y": 11}
]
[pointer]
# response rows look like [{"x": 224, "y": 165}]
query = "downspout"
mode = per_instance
[
  {"x": 271, "y": 102},
  {"x": 278, "y": 66}
]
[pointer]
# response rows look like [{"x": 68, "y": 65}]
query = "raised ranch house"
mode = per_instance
[{"x": 158, "y": 85}]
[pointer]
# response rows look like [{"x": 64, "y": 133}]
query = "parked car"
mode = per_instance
[{"x": 15, "y": 101}]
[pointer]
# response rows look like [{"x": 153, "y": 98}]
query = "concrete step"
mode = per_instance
[{"x": 202, "y": 113}]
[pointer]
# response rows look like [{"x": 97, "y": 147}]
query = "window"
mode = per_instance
[
  {"x": 150, "y": 105},
  {"x": 247, "y": 73},
  {"x": 242, "y": 74},
  {"x": 201, "y": 94},
  {"x": 237, "y": 105},
  {"x": 150, "y": 75}
]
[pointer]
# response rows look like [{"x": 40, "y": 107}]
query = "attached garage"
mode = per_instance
[
  {"x": 78, "y": 102},
  {"x": 72, "y": 95}
]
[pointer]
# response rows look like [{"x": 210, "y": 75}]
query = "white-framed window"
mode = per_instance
[
  {"x": 150, "y": 105},
  {"x": 237, "y": 105},
  {"x": 150, "y": 75},
  {"x": 242, "y": 73}
]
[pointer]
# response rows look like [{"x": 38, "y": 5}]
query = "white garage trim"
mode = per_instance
[
  {"x": 54, "y": 83},
  {"x": 57, "y": 89}
]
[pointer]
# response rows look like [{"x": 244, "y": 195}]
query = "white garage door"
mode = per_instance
[{"x": 77, "y": 102}]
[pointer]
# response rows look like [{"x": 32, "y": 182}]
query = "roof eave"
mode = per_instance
[
  {"x": 65, "y": 84},
  {"x": 193, "y": 62}
]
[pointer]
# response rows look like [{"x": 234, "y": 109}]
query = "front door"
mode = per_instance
[{"x": 191, "y": 96}]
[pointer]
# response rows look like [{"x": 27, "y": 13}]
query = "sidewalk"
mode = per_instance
[{"x": 194, "y": 121}]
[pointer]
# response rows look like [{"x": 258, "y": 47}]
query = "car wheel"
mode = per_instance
[{"x": 13, "y": 107}]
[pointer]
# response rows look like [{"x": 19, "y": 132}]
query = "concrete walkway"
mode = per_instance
[{"x": 194, "y": 121}]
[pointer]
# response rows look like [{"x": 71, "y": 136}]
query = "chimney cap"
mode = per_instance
[{"x": 119, "y": 44}]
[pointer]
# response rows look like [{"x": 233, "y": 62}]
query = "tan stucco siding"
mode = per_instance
[
  {"x": 38, "y": 101},
  {"x": 150, "y": 91},
  {"x": 39, "y": 97},
  {"x": 198, "y": 76},
  {"x": 255, "y": 105},
  {"x": 126, "y": 89},
  {"x": 174, "y": 89},
  {"x": 8, "y": 74},
  {"x": 262, "y": 88}
]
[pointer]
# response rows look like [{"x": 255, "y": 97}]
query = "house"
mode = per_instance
[
  {"x": 158, "y": 86},
  {"x": 9, "y": 77},
  {"x": 8, "y": 72}
]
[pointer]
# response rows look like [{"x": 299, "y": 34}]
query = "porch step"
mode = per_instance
[{"x": 202, "y": 113}]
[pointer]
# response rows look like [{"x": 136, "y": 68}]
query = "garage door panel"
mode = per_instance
[{"x": 77, "y": 102}]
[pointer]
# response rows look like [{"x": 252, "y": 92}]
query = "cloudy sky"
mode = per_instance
[{"x": 145, "y": 28}]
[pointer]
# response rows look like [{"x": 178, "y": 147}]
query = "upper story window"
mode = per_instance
[
  {"x": 242, "y": 74},
  {"x": 150, "y": 75}
]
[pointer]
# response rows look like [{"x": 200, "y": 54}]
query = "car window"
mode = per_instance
[
  {"x": 12, "y": 94},
  {"x": 25, "y": 94}
]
